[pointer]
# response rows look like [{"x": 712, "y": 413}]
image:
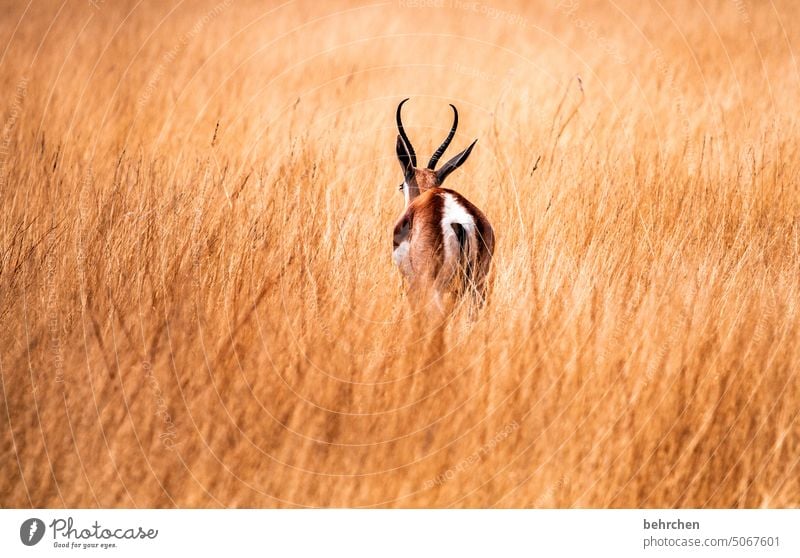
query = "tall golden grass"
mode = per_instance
[{"x": 197, "y": 296}]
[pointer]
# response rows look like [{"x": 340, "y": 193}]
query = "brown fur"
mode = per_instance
[
  {"x": 484, "y": 249},
  {"x": 421, "y": 225},
  {"x": 426, "y": 179}
]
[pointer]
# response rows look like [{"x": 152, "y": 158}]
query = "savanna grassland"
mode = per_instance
[{"x": 198, "y": 305}]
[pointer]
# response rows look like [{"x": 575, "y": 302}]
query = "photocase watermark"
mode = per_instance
[
  {"x": 168, "y": 58},
  {"x": 502, "y": 82},
  {"x": 680, "y": 104},
  {"x": 551, "y": 491},
  {"x": 11, "y": 123},
  {"x": 83, "y": 211},
  {"x": 169, "y": 435},
  {"x": 589, "y": 28},
  {"x": 659, "y": 362},
  {"x": 490, "y": 11},
  {"x": 568, "y": 7},
  {"x": 478, "y": 73},
  {"x": 475, "y": 6},
  {"x": 51, "y": 311},
  {"x": 423, "y": 3},
  {"x": 66, "y": 534},
  {"x": 741, "y": 9},
  {"x": 473, "y": 458},
  {"x": 380, "y": 348},
  {"x": 31, "y": 531}
]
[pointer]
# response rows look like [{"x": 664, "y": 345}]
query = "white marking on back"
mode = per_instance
[{"x": 454, "y": 213}]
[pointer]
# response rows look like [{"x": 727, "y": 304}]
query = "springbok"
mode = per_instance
[{"x": 443, "y": 244}]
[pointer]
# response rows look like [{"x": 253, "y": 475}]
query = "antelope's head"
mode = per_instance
[{"x": 416, "y": 180}]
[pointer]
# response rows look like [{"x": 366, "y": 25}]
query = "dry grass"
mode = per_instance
[{"x": 197, "y": 314}]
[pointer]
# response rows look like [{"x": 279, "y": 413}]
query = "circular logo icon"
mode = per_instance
[{"x": 31, "y": 531}]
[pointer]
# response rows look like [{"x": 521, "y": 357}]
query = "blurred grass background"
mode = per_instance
[{"x": 197, "y": 296}]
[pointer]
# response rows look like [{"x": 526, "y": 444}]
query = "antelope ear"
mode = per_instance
[
  {"x": 454, "y": 163},
  {"x": 404, "y": 156}
]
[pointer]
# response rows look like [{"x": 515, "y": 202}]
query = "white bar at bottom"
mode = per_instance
[{"x": 403, "y": 533}]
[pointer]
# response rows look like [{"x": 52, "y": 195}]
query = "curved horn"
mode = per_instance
[
  {"x": 446, "y": 142},
  {"x": 403, "y": 134}
]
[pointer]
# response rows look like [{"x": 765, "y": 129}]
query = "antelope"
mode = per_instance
[{"x": 443, "y": 244}]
